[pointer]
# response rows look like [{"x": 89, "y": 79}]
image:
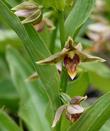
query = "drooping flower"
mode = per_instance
[
  {"x": 72, "y": 109},
  {"x": 45, "y": 22},
  {"x": 71, "y": 56},
  {"x": 30, "y": 11}
]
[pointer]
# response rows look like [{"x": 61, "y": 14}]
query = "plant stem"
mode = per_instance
[
  {"x": 53, "y": 39},
  {"x": 64, "y": 76},
  {"x": 62, "y": 30},
  {"x": 64, "y": 79}
]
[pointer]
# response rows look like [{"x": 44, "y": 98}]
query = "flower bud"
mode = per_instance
[{"x": 30, "y": 11}]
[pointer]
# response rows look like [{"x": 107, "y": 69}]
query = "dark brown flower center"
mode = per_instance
[{"x": 74, "y": 60}]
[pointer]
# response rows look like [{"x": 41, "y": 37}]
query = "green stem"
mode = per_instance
[
  {"x": 64, "y": 79},
  {"x": 53, "y": 39},
  {"x": 64, "y": 76},
  {"x": 62, "y": 29}
]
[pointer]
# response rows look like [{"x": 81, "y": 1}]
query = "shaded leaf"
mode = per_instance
[
  {"x": 9, "y": 97},
  {"x": 7, "y": 124},
  {"x": 32, "y": 96}
]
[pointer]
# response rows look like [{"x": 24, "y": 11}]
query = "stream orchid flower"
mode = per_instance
[
  {"x": 30, "y": 11},
  {"x": 72, "y": 110},
  {"x": 71, "y": 56}
]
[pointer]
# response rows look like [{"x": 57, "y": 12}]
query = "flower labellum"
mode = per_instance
[
  {"x": 73, "y": 110},
  {"x": 71, "y": 65}
]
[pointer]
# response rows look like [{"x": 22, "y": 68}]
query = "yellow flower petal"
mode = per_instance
[{"x": 75, "y": 109}]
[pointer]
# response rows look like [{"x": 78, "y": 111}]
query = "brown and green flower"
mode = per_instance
[
  {"x": 71, "y": 56},
  {"x": 72, "y": 109},
  {"x": 30, "y": 11}
]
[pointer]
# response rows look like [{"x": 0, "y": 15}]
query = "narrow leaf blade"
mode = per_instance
[
  {"x": 77, "y": 17},
  {"x": 33, "y": 99}
]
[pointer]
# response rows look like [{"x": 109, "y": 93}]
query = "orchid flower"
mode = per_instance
[
  {"x": 72, "y": 110},
  {"x": 71, "y": 56},
  {"x": 30, "y": 11},
  {"x": 45, "y": 22}
]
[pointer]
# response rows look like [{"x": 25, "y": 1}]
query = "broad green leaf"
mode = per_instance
[
  {"x": 78, "y": 16},
  {"x": 78, "y": 86},
  {"x": 8, "y": 96},
  {"x": 106, "y": 126},
  {"x": 37, "y": 50},
  {"x": 7, "y": 124},
  {"x": 33, "y": 99},
  {"x": 99, "y": 75},
  {"x": 95, "y": 116},
  {"x": 99, "y": 82},
  {"x": 8, "y": 37},
  {"x": 96, "y": 67}
]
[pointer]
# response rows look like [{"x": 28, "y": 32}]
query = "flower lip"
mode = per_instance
[
  {"x": 75, "y": 109},
  {"x": 71, "y": 65},
  {"x": 74, "y": 60}
]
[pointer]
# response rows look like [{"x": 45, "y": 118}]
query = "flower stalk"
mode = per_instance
[{"x": 64, "y": 76}]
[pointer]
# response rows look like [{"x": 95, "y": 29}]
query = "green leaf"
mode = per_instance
[
  {"x": 8, "y": 96},
  {"x": 78, "y": 16},
  {"x": 8, "y": 37},
  {"x": 106, "y": 126},
  {"x": 96, "y": 67},
  {"x": 95, "y": 116},
  {"x": 99, "y": 75},
  {"x": 79, "y": 86},
  {"x": 37, "y": 50},
  {"x": 33, "y": 98},
  {"x": 7, "y": 124},
  {"x": 55, "y": 4}
]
